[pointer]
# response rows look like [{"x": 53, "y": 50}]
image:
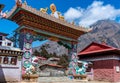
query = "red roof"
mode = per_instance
[
  {"x": 42, "y": 58},
  {"x": 55, "y": 65},
  {"x": 96, "y": 48}
]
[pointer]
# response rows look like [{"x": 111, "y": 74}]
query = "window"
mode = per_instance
[
  {"x": 1, "y": 37},
  {"x": 0, "y": 43},
  {"x": 13, "y": 61},
  {"x": 5, "y": 60},
  {"x": 8, "y": 44}
]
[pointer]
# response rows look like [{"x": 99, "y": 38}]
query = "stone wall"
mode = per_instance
[{"x": 10, "y": 72}]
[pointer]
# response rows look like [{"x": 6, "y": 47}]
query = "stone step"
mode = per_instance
[
  {"x": 53, "y": 79},
  {"x": 58, "y": 79}
]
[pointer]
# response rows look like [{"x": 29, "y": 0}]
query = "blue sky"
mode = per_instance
[{"x": 83, "y": 12}]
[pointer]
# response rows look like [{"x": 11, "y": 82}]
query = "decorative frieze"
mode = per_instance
[{"x": 10, "y": 53}]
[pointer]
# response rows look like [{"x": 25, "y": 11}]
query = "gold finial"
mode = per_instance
[{"x": 53, "y": 8}]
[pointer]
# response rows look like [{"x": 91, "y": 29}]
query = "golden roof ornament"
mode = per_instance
[
  {"x": 53, "y": 8},
  {"x": 54, "y": 12}
]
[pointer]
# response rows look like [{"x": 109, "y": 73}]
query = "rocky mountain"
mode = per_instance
[
  {"x": 53, "y": 47},
  {"x": 103, "y": 31}
]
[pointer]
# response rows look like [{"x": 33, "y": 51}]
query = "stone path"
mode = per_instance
[{"x": 62, "y": 80}]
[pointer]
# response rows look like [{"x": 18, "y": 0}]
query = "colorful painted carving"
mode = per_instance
[
  {"x": 27, "y": 55},
  {"x": 30, "y": 67},
  {"x": 27, "y": 46},
  {"x": 82, "y": 70},
  {"x": 27, "y": 64},
  {"x": 74, "y": 68},
  {"x": 35, "y": 60}
]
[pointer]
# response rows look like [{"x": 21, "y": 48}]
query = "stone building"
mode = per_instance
[{"x": 51, "y": 69}]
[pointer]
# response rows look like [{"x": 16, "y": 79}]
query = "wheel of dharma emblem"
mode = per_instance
[
  {"x": 27, "y": 64},
  {"x": 27, "y": 55},
  {"x": 28, "y": 46}
]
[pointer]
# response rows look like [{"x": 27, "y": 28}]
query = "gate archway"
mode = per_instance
[{"x": 36, "y": 25}]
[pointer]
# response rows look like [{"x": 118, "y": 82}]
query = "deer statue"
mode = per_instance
[{"x": 44, "y": 10}]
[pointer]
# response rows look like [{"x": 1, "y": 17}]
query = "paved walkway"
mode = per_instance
[{"x": 62, "y": 80}]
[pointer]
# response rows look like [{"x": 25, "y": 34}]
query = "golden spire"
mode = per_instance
[{"x": 53, "y": 8}]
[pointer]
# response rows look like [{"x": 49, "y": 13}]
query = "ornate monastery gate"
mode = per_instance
[{"x": 34, "y": 24}]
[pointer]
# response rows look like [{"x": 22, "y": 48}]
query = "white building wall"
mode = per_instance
[
  {"x": 6, "y": 41},
  {"x": 12, "y": 72}
]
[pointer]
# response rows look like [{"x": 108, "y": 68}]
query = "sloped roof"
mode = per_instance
[
  {"x": 96, "y": 48},
  {"x": 10, "y": 48},
  {"x": 42, "y": 58},
  {"x": 3, "y": 34}
]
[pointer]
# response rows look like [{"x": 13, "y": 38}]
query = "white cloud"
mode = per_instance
[
  {"x": 72, "y": 14},
  {"x": 96, "y": 11}
]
